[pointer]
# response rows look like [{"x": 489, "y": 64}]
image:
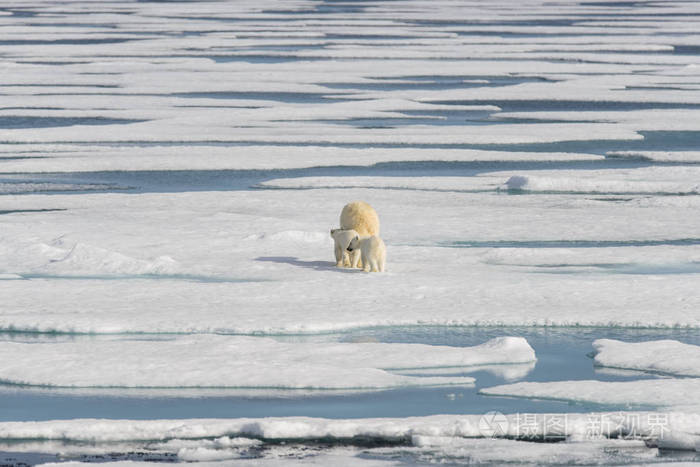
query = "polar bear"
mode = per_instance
[
  {"x": 372, "y": 250},
  {"x": 342, "y": 239},
  {"x": 361, "y": 217}
]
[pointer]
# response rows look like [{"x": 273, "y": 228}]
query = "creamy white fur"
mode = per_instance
[
  {"x": 361, "y": 217},
  {"x": 372, "y": 250},
  {"x": 342, "y": 239}
]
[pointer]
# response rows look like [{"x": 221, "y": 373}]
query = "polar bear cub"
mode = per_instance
[
  {"x": 343, "y": 257},
  {"x": 372, "y": 250}
]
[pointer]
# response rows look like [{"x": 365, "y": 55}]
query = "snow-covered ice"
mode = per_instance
[
  {"x": 656, "y": 393},
  {"x": 533, "y": 164},
  {"x": 245, "y": 362},
  {"x": 665, "y": 356},
  {"x": 551, "y": 184},
  {"x": 665, "y": 181},
  {"x": 263, "y": 255},
  {"x": 402, "y": 183},
  {"x": 250, "y": 73},
  {"x": 425, "y": 450},
  {"x": 268, "y": 428},
  {"x": 599, "y": 438},
  {"x": 502, "y": 451},
  {"x": 260, "y": 157}
]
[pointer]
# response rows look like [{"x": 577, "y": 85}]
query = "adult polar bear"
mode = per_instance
[{"x": 360, "y": 217}]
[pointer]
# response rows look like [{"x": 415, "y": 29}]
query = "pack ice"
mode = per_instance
[
  {"x": 445, "y": 436},
  {"x": 177, "y": 169}
]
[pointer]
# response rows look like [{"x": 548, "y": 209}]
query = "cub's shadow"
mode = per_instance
[{"x": 315, "y": 265}]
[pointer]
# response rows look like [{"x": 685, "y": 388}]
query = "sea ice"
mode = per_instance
[
  {"x": 528, "y": 183},
  {"x": 208, "y": 361},
  {"x": 664, "y": 356},
  {"x": 663, "y": 393},
  {"x": 450, "y": 433},
  {"x": 263, "y": 262},
  {"x": 483, "y": 183},
  {"x": 69, "y": 158},
  {"x": 255, "y": 85},
  {"x": 425, "y": 450}
]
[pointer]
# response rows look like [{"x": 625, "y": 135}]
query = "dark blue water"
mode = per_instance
[
  {"x": 19, "y": 211},
  {"x": 12, "y": 122},
  {"x": 63, "y": 41}
]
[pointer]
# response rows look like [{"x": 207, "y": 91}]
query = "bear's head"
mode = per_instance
[
  {"x": 354, "y": 243},
  {"x": 343, "y": 237}
]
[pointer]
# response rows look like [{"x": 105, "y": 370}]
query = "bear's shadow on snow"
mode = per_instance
[{"x": 316, "y": 265}]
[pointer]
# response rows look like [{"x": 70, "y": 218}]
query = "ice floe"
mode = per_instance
[
  {"x": 664, "y": 356},
  {"x": 265, "y": 255},
  {"x": 663, "y": 392},
  {"x": 401, "y": 183},
  {"x": 485, "y": 451},
  {"x": 244, "y": 362},
  {"x": 69, "y": 158},
  {"x": 425, "y": 449},
  {"x": 571, "y": 185},
  {"x": 451, "y": 433},
  {"x": 585, "y": 182},
  {"x": 178, "y": 130}
]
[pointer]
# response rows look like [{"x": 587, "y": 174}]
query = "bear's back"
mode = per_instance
[{"x": 361, "y": 217}]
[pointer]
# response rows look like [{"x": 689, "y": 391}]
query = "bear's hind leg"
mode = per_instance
[
  {"x": 365, "y": 262},
  {"x": 355, "y": 259}
]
